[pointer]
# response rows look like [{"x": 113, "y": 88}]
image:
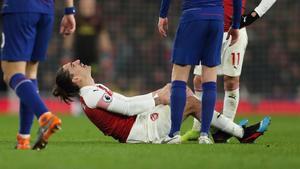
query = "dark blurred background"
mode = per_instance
[{"x": 120, "y": 40}]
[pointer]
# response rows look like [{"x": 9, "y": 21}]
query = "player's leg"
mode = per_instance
[
  {"x": 14, "y": 75},
  {"x": 49, "y": 123},
  {"x": 232, "y": 67},
  {"x": 11, "y": 69},
  {"x": 226, "y": 125},
  {"x": 208, "y": 101},
  {"x": 26, "y": 114},
  {"x": 19, "y": 32},
  {"x": 194, "y": 133},
  {"x": 244, "y": 134},
  {"x": 211, "y": 58},
  {"x": 185, "y": 53},
  {"x": 231, "y": 100},
  {"x": 193, "y": 108},
  {"x": 232, "y": 96},
  {"x": 197, "y": 82},
  {"x": 178, "y": 96}
]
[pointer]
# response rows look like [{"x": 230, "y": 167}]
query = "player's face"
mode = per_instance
[{"x": 77, "y": 68}]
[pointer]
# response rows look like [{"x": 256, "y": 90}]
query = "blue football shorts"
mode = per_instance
[
  {"x": 198, "y": 42},
  {"x": 26, "y": 36}
]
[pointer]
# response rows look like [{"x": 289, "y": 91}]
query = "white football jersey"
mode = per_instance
[{"x": 100, "y": 96}]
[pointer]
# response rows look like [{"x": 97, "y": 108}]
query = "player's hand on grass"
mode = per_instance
[
  {"x": 234, "y": 34},
  {"x": 68, "y": 25},
  {"x": 163, "y": 26}
]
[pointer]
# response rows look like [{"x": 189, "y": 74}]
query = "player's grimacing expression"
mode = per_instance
[{"x": 77, "y": 68}]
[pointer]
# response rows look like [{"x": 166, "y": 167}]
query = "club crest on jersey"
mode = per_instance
[
  {"x": 107, "y": 98},
  {"x": 154, "y": 116}
]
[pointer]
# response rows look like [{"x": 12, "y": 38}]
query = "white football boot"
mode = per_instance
[
  {"x": 204, "y": 140},
  {"x": 172, "y": 140}
]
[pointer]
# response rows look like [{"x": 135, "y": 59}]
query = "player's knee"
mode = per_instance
[
  {"x": 231, "y": 83},
  {"x": 7, "y": 75},
  {"x": 209, "y": 74},
  {"x": 197, "y": 81},
  {"x": 31, "y": 69}
]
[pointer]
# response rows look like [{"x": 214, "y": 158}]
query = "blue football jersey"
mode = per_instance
[
  {"x": 210, "y": 9},
  {"x": 38, "y": 6},
  {"x": 187, "y": 4},
  {"x": 203, "y": 9}
]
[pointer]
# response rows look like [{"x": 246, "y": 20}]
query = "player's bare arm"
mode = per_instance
[
  {"x": 163, "y": 20},
  {"x": 234, "y": 34},
  {"x": 234, "y": 31},
  {"x": 162, "y": 26},
  {"x": 68, "y": 23}
]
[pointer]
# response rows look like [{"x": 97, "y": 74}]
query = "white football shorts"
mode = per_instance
[
  {"x": 152, "y": 126},
  {"x": 231, "y": 57}
]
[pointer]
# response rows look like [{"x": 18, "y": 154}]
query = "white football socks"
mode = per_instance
[
  {"x": 227, "y": 125},
  {"x": 231, "y": 102}
]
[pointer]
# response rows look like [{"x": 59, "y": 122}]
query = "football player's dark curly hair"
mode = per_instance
[{"x": 64, "y": 88}]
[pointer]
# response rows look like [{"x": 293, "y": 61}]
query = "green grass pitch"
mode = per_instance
[{"x": 81, "y": 146}]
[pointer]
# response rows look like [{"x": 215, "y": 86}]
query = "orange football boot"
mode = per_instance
[
  {"x": 23, "y": 143},
  {"x": 49, "y": 124}
]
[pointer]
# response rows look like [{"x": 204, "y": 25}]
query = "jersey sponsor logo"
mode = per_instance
[
  {"x": 154, "y": 116},
  {"x": 3, "y": 40}
]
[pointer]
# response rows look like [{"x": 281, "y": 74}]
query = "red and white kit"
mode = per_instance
[
  {"x": 233, "y": 56},
  {"x": 136, "y": 119},
  {"x": 127, "y": 119}
]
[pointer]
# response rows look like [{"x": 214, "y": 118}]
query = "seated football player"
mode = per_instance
[{"x": 138, "y": 119}]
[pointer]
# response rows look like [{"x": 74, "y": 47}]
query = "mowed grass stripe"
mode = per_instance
[{"x": 81, "y": 145}]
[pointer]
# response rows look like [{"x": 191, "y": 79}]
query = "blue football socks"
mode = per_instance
[
  {"x": 208, "y": 105},
  {"x": 178, "y": 99},
  {"x": 26, "y": 91},
  {"x": 26, "y": 114}
]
